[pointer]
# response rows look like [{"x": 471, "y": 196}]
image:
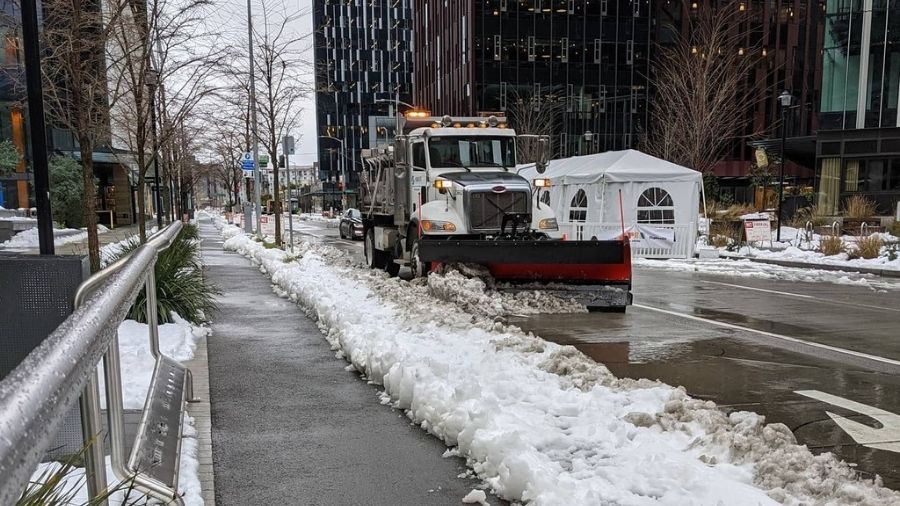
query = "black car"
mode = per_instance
[{"x": 351, "y": 226}]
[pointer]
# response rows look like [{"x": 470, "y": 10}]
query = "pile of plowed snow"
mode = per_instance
[{"x": 541, "y": 423}]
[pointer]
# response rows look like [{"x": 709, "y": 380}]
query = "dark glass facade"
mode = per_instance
[
  {"x": 785, "y": 36},
  {"x": 591, "y": 56},
  {"x": 15, "y": 185},
  {"x": 859, "y": 140},
  {"x": 363, "y": 64}
]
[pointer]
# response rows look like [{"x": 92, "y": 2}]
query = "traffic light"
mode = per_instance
[{"x": 280, "y": 161}]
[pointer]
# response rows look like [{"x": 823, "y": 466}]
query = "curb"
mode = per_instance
[{"x": 885, "y": 273}]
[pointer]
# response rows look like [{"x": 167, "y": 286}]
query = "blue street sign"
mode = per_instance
[{"x": 247, "y": 161}]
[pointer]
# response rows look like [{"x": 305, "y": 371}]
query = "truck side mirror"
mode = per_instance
[{"x": 543, "y": 154}]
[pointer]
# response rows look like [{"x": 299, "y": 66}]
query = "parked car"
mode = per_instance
[{"x": 351, "y": 226}]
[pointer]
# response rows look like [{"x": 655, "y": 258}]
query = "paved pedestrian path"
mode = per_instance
[{"x": 290, "y": 425}]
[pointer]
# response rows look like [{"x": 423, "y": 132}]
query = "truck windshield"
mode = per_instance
[{"x": 474, "y": 151}]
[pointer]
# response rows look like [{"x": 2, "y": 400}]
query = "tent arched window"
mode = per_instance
[
  {"x": 578, "y": 207},
  {"x": 545, "y": 198},
  {"x": 655, "y": 206}
]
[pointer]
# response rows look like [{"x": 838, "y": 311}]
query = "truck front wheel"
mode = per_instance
[
  {"x": 374, "y": 258},
  {"x": 416, "y": 265}
]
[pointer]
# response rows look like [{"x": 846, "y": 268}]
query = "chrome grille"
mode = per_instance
[{"x": 486, "y": 208}]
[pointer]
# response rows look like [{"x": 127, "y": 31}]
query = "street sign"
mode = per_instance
[
  {"x": 289, "y": 144},
  {"x": 263, "y": 219},
  {"x": 263, "y": 160},
  {"x": 247, "y": 161}
]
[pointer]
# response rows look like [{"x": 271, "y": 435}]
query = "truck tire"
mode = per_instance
[
  {"x": 418, "y": 268},
  {"x": 374, "y": 258}
]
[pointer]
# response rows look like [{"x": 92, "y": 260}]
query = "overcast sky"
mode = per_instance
[{"x": 234, "y": 13}]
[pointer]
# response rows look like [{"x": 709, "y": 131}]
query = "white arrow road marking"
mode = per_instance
[{"x": 886, "y": 438}]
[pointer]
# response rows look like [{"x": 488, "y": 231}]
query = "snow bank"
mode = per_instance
[
  {"x": 28, "y": 239},
  {"x": 541, "y": 423},
  {"x": 176, "y": 340},
  {"x": 743, "y": 268}
]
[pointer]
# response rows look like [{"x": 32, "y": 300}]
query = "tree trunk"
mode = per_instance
[
  {"x": 142, "y": 207},
  {"x": 90, "y": 201}
]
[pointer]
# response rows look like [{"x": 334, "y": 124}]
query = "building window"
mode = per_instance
[
  {"x": 637, "y": 8},
  {"x": 655, "y": 206},
  {"x": 629, "y": 52},
  {"x": 829, "y": 186},
  {"x": 603, "y": 7},
  {"x": 545, "y": 197},
  {"x": 564, "y": 49},
  {"x": 571, "y": 8},
  {"x": 531, "y": 48},
  {"x": 503, "y": 5},
  {"x": 597, "y": 51},
  {"x": 497, "y": 51},
  {"x": 563, "y": 145},
  {"x": 578, "y": 207},
  {"x": 502, "y": 96}
]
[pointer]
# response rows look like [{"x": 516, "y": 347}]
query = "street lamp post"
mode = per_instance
[
  {"x": 257, "y": 176},
  {"x": 785, "y": 99},
  {"x": 341, "y": 157}
]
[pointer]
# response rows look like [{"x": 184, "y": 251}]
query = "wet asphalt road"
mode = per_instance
[{"x": 751, "y": 344}]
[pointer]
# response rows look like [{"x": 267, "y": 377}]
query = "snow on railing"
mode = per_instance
[{"x": 36, "y": 396}]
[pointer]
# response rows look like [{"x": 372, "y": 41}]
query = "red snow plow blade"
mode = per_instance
[{"x": 596, "y": 273}]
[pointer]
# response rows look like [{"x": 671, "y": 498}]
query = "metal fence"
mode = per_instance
[
  {"x": 683, "y": 246},
  {"x": 36, "y": 396}
]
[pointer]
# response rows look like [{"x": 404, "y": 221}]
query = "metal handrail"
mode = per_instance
[{"x": 37, "y": 395}]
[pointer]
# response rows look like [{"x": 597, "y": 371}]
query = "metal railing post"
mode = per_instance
[
  {"x": 152, "y": 316},
  {"x": 112, "y": 370},
  {"x": 92, "y": 435}
]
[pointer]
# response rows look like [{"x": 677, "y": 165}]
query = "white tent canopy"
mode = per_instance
[{"x": 654, "y": 193}]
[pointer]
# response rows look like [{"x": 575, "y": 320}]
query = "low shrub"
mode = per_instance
[
  {"x": 808, "y": 214},
  {"x": 180, "y": 284},
  {"x": 859, "y": 207},
  {"x": 894, "y": 228},
  {"x": 869, "y": 247},
  {"x": 735, "y": 211},
  {"x": 832, "y": 245}
]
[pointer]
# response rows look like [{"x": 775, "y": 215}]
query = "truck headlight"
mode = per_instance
[
  {"x": 548, "y": 224},
  {"x": 438, "y": 226}
]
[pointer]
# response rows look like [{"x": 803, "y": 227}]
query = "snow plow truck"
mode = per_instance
[{"x": 448, "y": 192}]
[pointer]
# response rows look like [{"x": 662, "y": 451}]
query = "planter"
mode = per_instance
[{"x": 853, "y": 226}]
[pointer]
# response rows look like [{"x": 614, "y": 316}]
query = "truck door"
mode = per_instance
[{"x": 418, "y": 179}]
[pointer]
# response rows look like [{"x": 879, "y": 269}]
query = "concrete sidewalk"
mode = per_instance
[
  {"x": 885, "y": 273},
  {"x": 290, "y": 425}
]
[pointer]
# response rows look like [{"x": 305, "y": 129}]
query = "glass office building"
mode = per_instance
[
  {"x": 858, "y": 146},
  {"x": 363, "y": 64},
  {"x": 588, "y": 56}
]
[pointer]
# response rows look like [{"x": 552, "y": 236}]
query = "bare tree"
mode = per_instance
[
  {"x": 533, "y": 115},
  {"x": 74, "y": 69},
  {"x": 165, "y": 58},
  {"x": 703, "y": 90},
  {"x": 280, "y": 66}
]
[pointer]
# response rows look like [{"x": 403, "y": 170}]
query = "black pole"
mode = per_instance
[
  {"x": 36, "y": 126},
  {"x": 781, "y": 177},
  {"x": 159, "y": 216}
]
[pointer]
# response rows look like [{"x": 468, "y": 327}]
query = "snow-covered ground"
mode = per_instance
[
  {"x": 537, "y": 422},
  {"x": 28, "y": 239},
  {"x": 797, "y": 247},
  {"x": 748, "y": 269},
  {"x": 177, "y": 340}
]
